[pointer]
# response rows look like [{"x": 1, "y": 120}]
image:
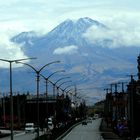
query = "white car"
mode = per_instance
[
  {"x": 29, "y": 127},
  {"x": 50, "y": 125},
  {"x": 96, "y": 116}
]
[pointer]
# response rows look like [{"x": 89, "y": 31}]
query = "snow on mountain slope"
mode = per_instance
[{"x": 87, "y": 62}]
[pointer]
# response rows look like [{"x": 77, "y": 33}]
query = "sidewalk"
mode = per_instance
[{"x": 107, "y": 133}]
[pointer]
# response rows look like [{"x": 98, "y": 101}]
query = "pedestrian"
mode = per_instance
[{"x": 120, "y": 128}]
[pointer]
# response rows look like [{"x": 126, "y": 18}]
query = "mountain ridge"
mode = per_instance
[{"x": 88, "y": 63}]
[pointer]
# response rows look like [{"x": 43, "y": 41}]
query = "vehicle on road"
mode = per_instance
[
  {"x": 89, "y": 120},
  {"x": 29, "y": 127},
  {"x": 84, "y": 122},
  {"x": 96, "y": 116},
  {"x": 50, "y": 123}
]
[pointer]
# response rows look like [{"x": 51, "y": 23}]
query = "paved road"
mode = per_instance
[
  {"x": 85, "y": 132},
  {"x": 22, "y": 136}
]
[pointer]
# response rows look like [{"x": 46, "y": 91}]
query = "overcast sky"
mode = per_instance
[
  {"x": 43, "y": 15},
  {"x": 27, "y": 15}
]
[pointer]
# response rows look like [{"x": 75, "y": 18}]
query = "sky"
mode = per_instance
[
  {"x": 42, "y": 16},
  {"x": 46, "y": 14}
]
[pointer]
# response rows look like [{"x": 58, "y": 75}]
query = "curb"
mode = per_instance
[{"x": 64, "y": 134}]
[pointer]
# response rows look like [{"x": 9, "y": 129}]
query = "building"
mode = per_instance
[{"x": 125, "y": 105}]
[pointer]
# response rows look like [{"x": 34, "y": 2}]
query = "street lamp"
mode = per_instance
[
  {"x": 37, "y": 88},
  {"x": 66, "y": 88},
  {"x": 64, "y": 83},
  {"x": 61, "y": 85},
  {"x": 11, "y": 90},
  {"x": 69, "y": 91},
  {"x": 54, "y": 84},
  {"x": 46, "y": 80}
]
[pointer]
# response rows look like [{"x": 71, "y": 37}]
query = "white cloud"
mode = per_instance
[
  {"x": 42, "y": 15},
  {"x": 66, "y": 50},
  {"x": 9, "y": 51},
  {"x": 120, "y": 34}
]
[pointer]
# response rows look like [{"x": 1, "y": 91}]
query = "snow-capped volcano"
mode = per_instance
[
  {"x": 88, "y": 63},
  {"x": 75, "y": 27},
  {"x": 67, "y": 33}
]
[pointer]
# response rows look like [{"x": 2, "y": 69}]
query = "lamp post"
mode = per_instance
[
  {"x": 46, "y": 81},
  {"x": 47, "y": 78},
  {"x": 66, "y": 88},
  {"x": 11, "y": 89},
  {"x": 61, "y": 85},
  {"x": 69, "y": 91},
  {"x": 64, "y": 83},
  {"x": 54, "y": 84},
  {"x": 37, "y": 88}
]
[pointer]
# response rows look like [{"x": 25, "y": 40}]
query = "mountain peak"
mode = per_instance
[
  {"x": 75, "y": 27},
  {"x": 24, "y": 36},
  {"x": 30, "y": 34},
  {"x": 89, "y": 22},
  {"x": 86, "y": 20}
]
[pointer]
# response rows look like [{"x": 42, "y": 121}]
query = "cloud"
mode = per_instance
[
  {"x": 120, "y": 34},
  {"x": 66, "y": 50},
  {"x": 33, "y": 15},
  {"x": 9, "y": 51}
]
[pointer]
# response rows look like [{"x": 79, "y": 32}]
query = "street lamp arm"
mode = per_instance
[
  {"x": 25, "y": 59},
  {"x": 60, "y": 79},
  {"x": 59, "y": 88},
  {"x": 43, "y": 76},
  {"x": 7, "y": 60},
  {"x": 69, "y": 90},
  {"x": 51, "y": 82},
  {"x": 37, "y": 71},
  {"x": 47, "y": 78},
  {"x": 29, "y": 66},
  {"x": 47, "y": 65},
  {"x": 67, "y": 87},
  {"x": 55, "y": 73},
  {"x": 16, "y": 60},
  {"x": 64, "y": 83}
]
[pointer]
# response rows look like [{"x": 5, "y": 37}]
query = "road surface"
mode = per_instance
[
  {"x": 22, "y": 136},
  {"x": 85, "y": 132}
]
